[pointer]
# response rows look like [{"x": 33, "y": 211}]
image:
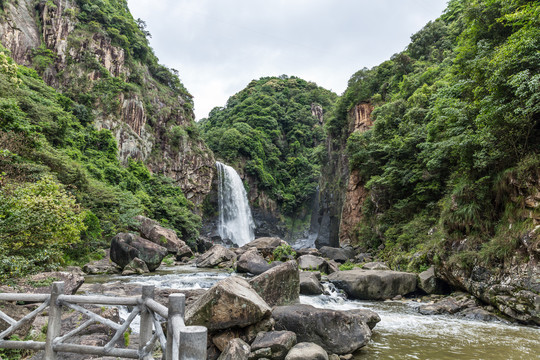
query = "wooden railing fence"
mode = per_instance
[{"x": 180, "y": 343}]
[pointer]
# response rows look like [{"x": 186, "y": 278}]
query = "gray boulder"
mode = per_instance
[
  {"x": 265, "y": 245},
  {"x": 337, "y": 332},
  {"x": 307, "y": 351},
  {"x": 231, "y": 302},
  {"x": 337, "y": 254},
  {"x": 279, "y": 343},
  {"x": 428, "y": 282},
  {"x": 125, "y": 247},
  {"x": 153, "y": 231},
  {"x": 311, "y": 262},
  {"x": 374, "y": 284},
  {"x": 252, "y": 262},
  {"x": 310, "y": 284},
  {"x": 217, "y": 255},
  {"x": 279, "y": 285},
  {"x": 371, "y": 318},
  {"x": 237, "y": 349},
  {"x": 376, "y": 265}
]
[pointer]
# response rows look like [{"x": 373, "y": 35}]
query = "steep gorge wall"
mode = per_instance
[
  {"x": 342, "y": 193},
  {"x": 140, "y": 120}
]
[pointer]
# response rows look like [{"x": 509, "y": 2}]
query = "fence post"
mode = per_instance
[
  {"x": 145, "y": 332},
  {"x": 193, "y": 343},
  {"x": 177, "y": 304},
  {"x": 55, "y": 320}
]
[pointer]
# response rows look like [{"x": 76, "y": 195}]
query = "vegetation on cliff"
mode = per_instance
[
  {"x": 64, "y": 188},
  {"x": 451, "y": 163},
  {"x": 271, "y": 129}
]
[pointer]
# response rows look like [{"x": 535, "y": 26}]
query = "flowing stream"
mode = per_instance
[
  {"x": 235, "y": 220},
  {"x": 402, "y": 333}
]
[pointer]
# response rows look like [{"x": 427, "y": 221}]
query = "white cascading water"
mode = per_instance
[{"x": 235, "y": 221}]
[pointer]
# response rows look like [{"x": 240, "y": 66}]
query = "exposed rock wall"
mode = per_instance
[
  {"x": 338, "y": 208},
  {"x": 141, "y": 134},
  {"x": 356, "y": 193}
]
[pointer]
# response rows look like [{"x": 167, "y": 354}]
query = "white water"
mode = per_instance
[{"x": 235, "y": 220}]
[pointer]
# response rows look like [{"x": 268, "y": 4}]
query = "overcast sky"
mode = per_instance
[{"x": 219, "y": 46}]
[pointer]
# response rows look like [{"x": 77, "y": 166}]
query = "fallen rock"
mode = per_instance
[
  {"x": 279, "y": 343},
  {"x": 237, "y": 349},
  {"x": 374, "y": 284},
  {"x": 252, "y": 262},
  {"x": 310, "y": 262},
  {"x": 429, "y": 283},
  {"x": 376, "y": 265},
  {"x": 125, "y": 247},
  {"x": 448, "y": 305},
  {"x": 337, "y": 254},
  {"x": 265, "y": 245},
  {"x": 215, "y": 256},
  {"x": 135, "y": 267},
  {"x": 307, "y": 351},
  {"x": 153, "y": 231},
  {"x": 371, "y": 318},
  {"x": 279, "y": 285},
  {"x": 337, "y": 332},
  {"x": 308, "y": 251},
  {"x": 231, "y": 302},
  {"x": 310, "y": 284}
]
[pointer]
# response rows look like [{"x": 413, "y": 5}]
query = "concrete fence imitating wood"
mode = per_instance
[{"x": 179, "y": 343}]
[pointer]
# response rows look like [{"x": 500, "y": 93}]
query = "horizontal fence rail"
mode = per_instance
[{"x": 180, "y": 342}]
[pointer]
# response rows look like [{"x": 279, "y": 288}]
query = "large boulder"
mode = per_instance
[
  {"x": 273, "y": 345},
  {"x": 311, "y": 262},
  {"x": 125, "y": 247},
  {"x": 237, "y": 349},
  {"x": 265, "y": 245},
  {"x": 153, "y": 231},
  {"x": 279, "y": 285},
  {"x": 337, "y": 332},
  {"x": 370, "y": 317},
  {"x": 252, "y": 262},
  {"x": 231, "y": 302},
  {"x": 307, "y": 351},
  {"x": 374, "y": 284},
  {"x": 430, "y": 283},
  {"x": 310, "y": 284},
  {"x": 337, "y": 254},
  {"x": 217, "y": 255}
]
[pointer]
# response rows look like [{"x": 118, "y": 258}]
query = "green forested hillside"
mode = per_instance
[
  {"x": 270, "y": 131},
  {"x": 63, "y": 190},
  {"x": 452, "y": 161}
]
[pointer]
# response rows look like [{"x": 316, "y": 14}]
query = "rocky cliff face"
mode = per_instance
[
  {"x": 141, "y": 117},
  {"x": 338, "y": 207},
  {"x": 356, "y": 194}
]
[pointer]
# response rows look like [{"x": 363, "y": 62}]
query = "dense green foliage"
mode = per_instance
[
  {"x": 44, "y": 139},
  {"x": 454, "y": 147},
  {"x": 269, "y": 130}
]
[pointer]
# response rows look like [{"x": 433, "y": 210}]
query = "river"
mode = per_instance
[{"x": 402, "y": 333}]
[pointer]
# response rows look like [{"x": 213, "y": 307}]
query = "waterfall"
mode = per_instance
[{"x": 235, "y": 221}]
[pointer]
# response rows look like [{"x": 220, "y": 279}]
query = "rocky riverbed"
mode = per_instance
[{"x": 305, "y": 305}]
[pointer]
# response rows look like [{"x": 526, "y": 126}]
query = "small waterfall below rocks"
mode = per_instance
[{"x": 235, "y": 221}]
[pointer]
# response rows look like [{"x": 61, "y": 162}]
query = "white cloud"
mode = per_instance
[{"x": 220, "y": 46}]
